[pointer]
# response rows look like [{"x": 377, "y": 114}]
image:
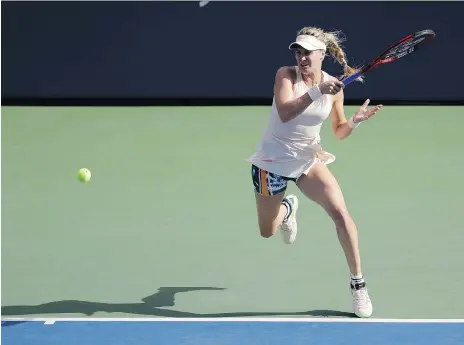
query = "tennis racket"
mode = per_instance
[{"x": 405, "y": 46}]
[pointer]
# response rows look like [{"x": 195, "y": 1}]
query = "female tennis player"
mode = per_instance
[{"x": 290, "y": 149}]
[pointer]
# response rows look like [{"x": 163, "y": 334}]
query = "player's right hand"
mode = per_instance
[{"x": 331, "y": 87}]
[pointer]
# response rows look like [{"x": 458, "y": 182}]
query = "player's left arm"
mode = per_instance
[
  {"x": 342, "y": 127},
  {"x": 337, "y": 115}
]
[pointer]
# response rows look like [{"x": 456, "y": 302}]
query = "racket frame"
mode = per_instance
[{"x": 380, "y": 59}]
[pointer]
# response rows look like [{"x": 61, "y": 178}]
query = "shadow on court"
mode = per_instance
[{"x": 150, "y": 306}]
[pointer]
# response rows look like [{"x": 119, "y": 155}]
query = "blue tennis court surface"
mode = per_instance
[{"x": 232, "y": 332}]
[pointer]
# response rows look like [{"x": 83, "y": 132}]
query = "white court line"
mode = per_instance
[{"x": 242, "y": 319}]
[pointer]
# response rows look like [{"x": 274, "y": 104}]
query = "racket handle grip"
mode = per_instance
[{"x": 351, "y": 78}]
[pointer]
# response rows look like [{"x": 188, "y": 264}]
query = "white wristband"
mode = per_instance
[
  {"x": 314, "y": 92},
  {"x": 352, "y": 124}
]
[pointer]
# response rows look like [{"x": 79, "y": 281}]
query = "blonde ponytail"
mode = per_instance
[{"x": 333, "y": 42}]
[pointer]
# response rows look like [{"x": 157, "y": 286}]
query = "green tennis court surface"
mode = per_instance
[{"x": 167, "y": 225}]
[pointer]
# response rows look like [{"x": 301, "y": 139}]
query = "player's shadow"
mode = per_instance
[{"x": 150, "y": 306}]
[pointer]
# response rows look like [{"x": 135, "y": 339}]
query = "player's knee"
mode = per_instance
[
  {"x": 266, "y": 234},
  {"x": 341, "y": 217},
  {"x": 267, "y": 230}
]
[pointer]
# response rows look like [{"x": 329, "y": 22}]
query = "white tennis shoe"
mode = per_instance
[
  {"x": 289, "y": 229},
  {"x": 362, "y": 305}
]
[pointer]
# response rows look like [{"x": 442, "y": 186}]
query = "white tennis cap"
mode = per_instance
[{"x": 308, "y": 42}]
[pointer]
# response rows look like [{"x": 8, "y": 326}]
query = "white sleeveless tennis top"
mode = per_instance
[{"x": 290, "y": 149}]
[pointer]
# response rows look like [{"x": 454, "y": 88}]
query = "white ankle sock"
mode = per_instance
[
  {"x": 288, "y": 206},
  {"x": 358, "y": 279}
]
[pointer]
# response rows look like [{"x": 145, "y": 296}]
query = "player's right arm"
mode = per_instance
[{"x": 287, "y": 107}]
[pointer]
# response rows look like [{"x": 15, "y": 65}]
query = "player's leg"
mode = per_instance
[
  {"x": 273, "y": 208},
  {"x": 320, "y": 185}
]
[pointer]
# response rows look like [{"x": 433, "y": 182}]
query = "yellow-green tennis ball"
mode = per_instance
[{"x": 84, "y": 175}]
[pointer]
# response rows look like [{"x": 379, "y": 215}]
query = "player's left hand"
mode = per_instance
[{"x": 364, "y": 113}]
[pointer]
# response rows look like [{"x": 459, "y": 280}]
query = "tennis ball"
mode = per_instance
[{"x": 83, "y": 175}]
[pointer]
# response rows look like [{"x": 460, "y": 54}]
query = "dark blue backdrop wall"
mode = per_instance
[{"x": 223, "y": 50}]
